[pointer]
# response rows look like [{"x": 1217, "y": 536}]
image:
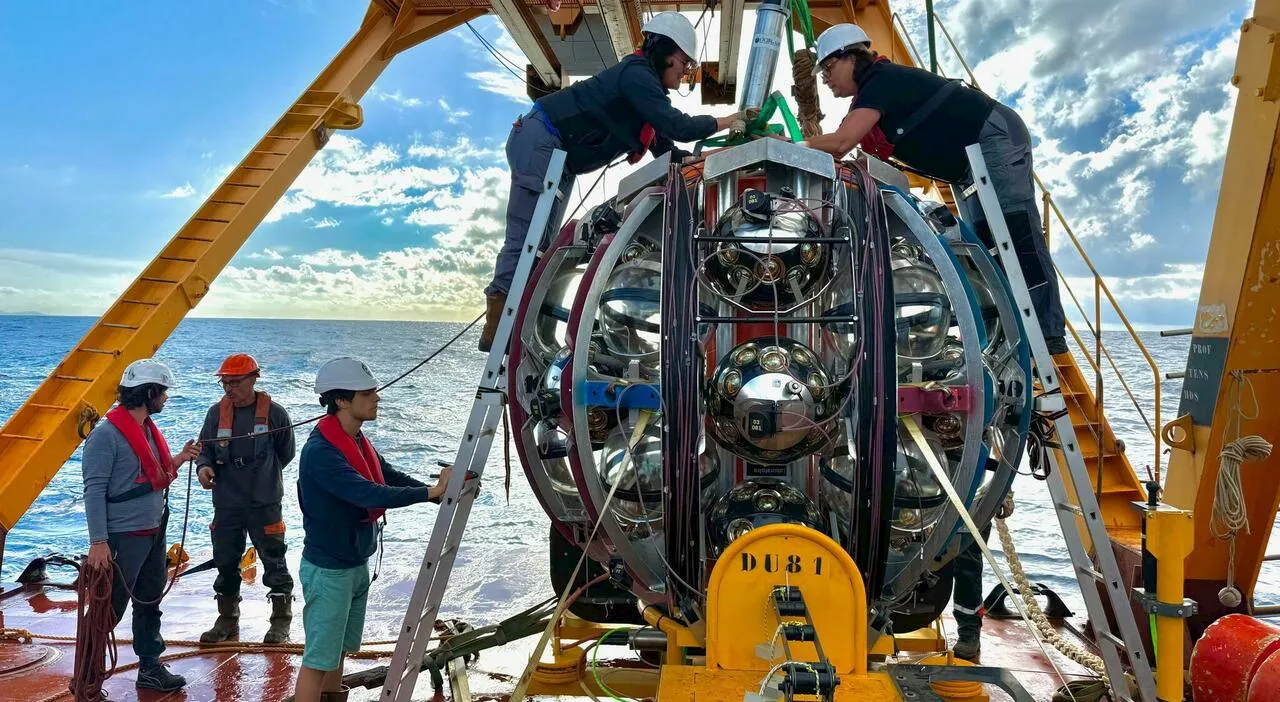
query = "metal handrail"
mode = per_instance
[
  {"x": 895, "y": 18},
  {"x": 1100, "y": 288}
]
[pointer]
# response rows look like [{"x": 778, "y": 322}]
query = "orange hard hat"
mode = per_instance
[{"x": 238, "y": 364}]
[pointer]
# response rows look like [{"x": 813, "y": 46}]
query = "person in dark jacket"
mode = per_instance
[
  {"x": 344, "y": 489},
  {"x": 126, "y": 469},
  {"x": 246, "y": 475},
  {"x": 926, "y": 122},
  {"x": 624, "y": 109}
]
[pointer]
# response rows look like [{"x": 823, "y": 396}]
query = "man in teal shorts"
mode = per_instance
[{"x": 344, "y": 488}]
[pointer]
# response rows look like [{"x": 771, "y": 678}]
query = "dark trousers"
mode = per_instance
[
  {"x": 142, "y": 561},
  {"x": 967, "y": 593},
  {"x": 529, "y": 150},
  {"x": 265, "y": 527},
  {"x": 1006, "y": 147}
]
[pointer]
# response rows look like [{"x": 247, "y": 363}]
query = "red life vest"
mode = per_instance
[
  {"x": 159, "y": 471},
  {"x": 647, "y": 136},
  {"x": 362, "y": 457},
  {"x": 227, "y": 411}
]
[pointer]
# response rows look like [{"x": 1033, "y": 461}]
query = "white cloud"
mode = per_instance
[
  {"x": 453, "y": 114},
  {"x": 501, "y": 78},
  {"x": 266, "y": 255},
  {"x": 329, "y": 258},
  {"x": 463, "y": 149},
  {"x": 1138, "y": 240},
  {"x": 388, "y": 221},
  {"x": 348, "y": 173},
  {"x": 184, "y": 190},
  {"x": 397, "y": 98},
  {"x": 445, "y": 280},
  {"x": 325, "y": 223}
]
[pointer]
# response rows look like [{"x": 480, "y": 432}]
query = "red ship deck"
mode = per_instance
[{"x": 37, "y": 671}]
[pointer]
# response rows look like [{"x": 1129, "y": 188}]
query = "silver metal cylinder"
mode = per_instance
[{"x": 766, "y": 44}]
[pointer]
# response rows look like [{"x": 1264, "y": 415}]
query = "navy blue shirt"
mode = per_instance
[
  {"x": 600, "y": 118},
  {"x": 334, "y": 497}
]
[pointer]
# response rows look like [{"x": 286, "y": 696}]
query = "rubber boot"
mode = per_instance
[
  {"x": 493, "y": 314},
  {"x": 968, "y": 647},
  {"x": 281, "y": 616},
  {"x": 227, "y": 625},
  {"x": 335, "y": 696}
]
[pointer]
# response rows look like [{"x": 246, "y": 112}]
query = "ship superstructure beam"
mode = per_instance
[
  {"x": 731, "y": 20},
  {"x": 622, "y": 21},
  {"x": 520, "y": 23}
]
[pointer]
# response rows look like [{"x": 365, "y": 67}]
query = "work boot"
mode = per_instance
[
  {"x": 968, "y": 647},
  {"x": 492, "y": 315},
  {"x": 335, "y": 696},
  {"x": 227, "y": 625},
  {"x": 281, "y": 616},
  {"x": 157, "y": 677},
  {"x": 1057, "y": 345}
]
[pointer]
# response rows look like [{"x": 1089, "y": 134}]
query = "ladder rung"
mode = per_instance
[
  {"x": 185, "y": 237},
  {"x": 41, "y": 405},
  {"x": 177, "y": 258},
  {"x": 105, "y": 352},
  {"x": 1113, "y": 640},
  {"x": 257, "y": 168},
  {"x": 114, "y": 325},
  {"x": 243, "y": 185},
  {"x": 131, "y": 301},
  {"x": 278, "y": 153},
  {"x": 165, "y": 281},
  {"x": 1093, "y": 573},
  {"x": 1074, "y": 509},
  {"x": 211, "y": 219},
  {"x": 76, "y": 378},
  {"x": 227, "y": 202},
  {"x": 21, "y": 437}
]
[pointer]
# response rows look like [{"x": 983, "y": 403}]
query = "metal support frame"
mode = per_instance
[
  {"x": 622, "y": 22},
  {"x": 518, "y": 20},
  {"x": 1086, "y": 507},
  {"x": 473, "y": 453}
]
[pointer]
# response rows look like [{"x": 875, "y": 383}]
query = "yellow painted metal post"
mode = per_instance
[{"x": 1170, "y": 535}]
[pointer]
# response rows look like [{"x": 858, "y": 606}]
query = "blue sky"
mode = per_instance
[{"x": 117, "y": 132}]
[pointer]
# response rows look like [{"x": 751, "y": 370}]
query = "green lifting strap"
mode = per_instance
[
  {"x": 760, "y": 125},
  {"x": 800, "y": 9}
]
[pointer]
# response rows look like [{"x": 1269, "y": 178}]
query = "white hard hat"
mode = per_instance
[
  {"x": 836, "y": 38},
  {"x": 344, "y": 373},
  {"x": 147, "y": 371},
  {"x": 677, "y": 28}
]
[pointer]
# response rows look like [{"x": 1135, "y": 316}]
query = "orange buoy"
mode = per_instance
[{"x": 1227, "y": 657}]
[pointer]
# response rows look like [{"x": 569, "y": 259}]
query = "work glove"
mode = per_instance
[{"x": 750, "y": 114}]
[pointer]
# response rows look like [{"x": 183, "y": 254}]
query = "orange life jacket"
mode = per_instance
[{"x": 227, "y": 411}]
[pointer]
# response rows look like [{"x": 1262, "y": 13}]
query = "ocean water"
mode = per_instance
[{"x": 502, "y": 566}]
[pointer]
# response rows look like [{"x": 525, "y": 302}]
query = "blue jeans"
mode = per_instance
[{"x": 529, "y": 150}]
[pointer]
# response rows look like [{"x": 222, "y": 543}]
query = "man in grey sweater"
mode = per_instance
[{"x": 127, "y": 468}]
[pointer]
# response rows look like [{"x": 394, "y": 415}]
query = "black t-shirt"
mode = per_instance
[{"x": 936, "y": 145}]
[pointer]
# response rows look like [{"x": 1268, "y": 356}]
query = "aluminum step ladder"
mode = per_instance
[
  {"x": 473, "y": 453},
  {"x": 1125, "y": 638}
]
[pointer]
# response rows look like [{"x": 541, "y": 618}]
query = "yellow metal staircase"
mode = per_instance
[{"x": 44, "y": 432}]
